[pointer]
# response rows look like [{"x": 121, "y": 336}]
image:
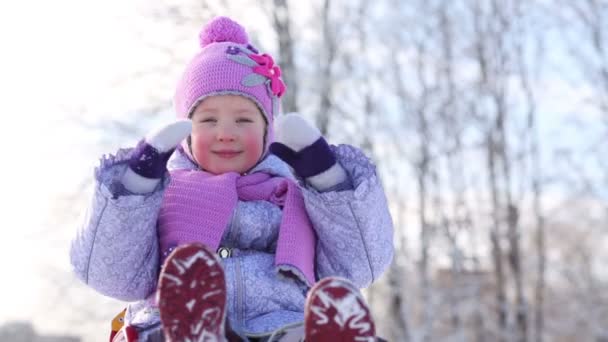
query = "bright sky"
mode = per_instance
[{"x": 55, "y": 55}]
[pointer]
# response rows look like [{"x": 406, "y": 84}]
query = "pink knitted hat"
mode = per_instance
[{"x": 229, "y": 64}]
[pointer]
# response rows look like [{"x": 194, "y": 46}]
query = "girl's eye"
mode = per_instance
[
  {"x": 208, "y": 120},
  {"x": 244, "y": 120}
]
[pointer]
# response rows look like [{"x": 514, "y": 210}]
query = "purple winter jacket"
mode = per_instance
[{"x": 116, "y": 249}]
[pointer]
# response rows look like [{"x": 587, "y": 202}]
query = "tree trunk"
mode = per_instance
[
  {"x": 282, "y": 26},
  {"x": 329, "y": 49},
  {"x": 497, "y": 253}
]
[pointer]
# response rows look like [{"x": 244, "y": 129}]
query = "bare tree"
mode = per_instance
[
  {"x": 329, "y": 51},
  {"x": 282, "y": 26},
  {"x": 536, "y": 185}
]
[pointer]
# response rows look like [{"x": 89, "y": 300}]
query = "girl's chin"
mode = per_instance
[
  {"x": 220, "y": 165},
  {"x": 219, "y": 169}
]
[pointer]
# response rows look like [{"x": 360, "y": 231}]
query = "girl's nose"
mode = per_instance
[{"x": 225, "y": 133}]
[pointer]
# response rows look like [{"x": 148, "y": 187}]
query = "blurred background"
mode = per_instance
[{"x": 488, "y": 121}]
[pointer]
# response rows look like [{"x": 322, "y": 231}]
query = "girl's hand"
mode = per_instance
[
  {"x": 301, "y": 145},
  {"x": 149, "y": 160}
]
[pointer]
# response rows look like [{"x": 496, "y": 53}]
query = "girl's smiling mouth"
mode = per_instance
[{"x": 226, "y": 154}]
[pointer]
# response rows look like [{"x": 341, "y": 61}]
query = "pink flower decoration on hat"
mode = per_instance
[{"x": 267, "y": 69}]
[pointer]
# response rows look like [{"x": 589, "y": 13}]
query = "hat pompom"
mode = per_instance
[{"x": 223, "y": 29}]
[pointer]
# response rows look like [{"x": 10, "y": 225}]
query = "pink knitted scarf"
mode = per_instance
[{"x": 198, "y": 206}]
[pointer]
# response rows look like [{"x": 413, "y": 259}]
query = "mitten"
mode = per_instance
[
  {"x": 301, "y": 145},
  {"x": 148, "y": 162}
]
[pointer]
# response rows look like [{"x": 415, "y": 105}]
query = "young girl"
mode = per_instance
[{"x": 246, "y": 237}]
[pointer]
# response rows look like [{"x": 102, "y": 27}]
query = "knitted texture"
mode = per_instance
[
  {"x": 222, "y": 29},
  {"x": 197, "y": 207},
  {"x": 229, "y": 64},
  {"x": 310, "y": 161},
  {"x": 148, "y": 162}
]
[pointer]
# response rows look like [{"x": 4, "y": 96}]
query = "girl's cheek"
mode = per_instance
[
  {"x": 256, "y": 140},
  {"x": 199, "y": 143}
]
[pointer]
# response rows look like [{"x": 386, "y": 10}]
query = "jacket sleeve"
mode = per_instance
[
  {"x": 354, "y": 227},
  {"x": 115, "y": 250}
]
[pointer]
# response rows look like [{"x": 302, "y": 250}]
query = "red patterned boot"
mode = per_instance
[
  {"x": 192, "y": 295},
  {"x": 336, "y": 311}
]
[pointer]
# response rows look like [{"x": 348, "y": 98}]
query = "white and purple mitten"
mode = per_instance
[
  {"x": 148, "y": 162},
  {"x": 301, "y": 145}
]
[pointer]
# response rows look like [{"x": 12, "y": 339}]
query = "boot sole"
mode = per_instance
[{"x": 192, "y": 295}]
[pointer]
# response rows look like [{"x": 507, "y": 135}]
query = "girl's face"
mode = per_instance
[{"x": 227, "y": 134}]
